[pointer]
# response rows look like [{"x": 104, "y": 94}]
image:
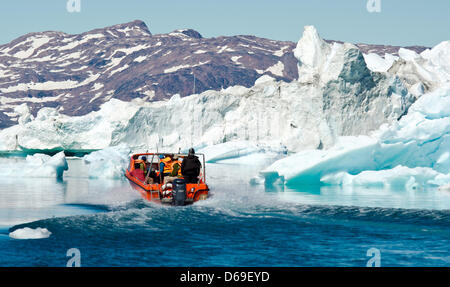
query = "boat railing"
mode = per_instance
[{"x": 203, "y": 161}]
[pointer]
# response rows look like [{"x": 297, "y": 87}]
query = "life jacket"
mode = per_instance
[{"x": 167, "y": 164}]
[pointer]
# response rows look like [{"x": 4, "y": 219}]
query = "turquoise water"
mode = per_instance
[{"x": 239, "y": 225}]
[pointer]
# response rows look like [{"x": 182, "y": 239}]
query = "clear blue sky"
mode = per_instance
[{"x": 400, "y": 22}]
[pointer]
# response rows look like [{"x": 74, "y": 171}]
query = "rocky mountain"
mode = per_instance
[{"x": 78, "y": 73}]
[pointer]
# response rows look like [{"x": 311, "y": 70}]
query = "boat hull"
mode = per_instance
[{"x": 153, "y": 192}]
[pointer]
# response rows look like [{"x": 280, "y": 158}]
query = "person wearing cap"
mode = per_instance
[
  {"x": 190, "y": 168},
  {"x": 144, "y": 163},
  {"x": 165, "y": 166}
]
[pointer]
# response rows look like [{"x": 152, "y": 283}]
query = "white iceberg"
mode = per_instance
[
  {"x": 37, "y": 165},
  {"x": 421, "y": 139},
  {"x": 109, "y": 163},
  {"x": 51, "y": 130},
  {"x": 28, "y": 233}
]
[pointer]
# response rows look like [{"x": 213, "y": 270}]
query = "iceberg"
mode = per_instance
[
  {"x": 50, "y": 130},
  {"x": 37, "y": 165},
  {"x": 29, "y": 233},
  {"x": 414, "y": 149},
  {"x": 110, "y": 162}
]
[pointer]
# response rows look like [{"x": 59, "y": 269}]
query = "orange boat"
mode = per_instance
[{"x": 178, "y": 192}]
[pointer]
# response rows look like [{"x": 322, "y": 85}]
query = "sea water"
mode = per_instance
[{"x": 238, "y": 225}]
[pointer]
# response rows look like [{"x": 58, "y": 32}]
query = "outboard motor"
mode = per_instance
[{"x": 179, "y": 191}]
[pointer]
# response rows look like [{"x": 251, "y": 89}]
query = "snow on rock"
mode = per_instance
[
  {"x": 421, "y": 139},
  {"x": 110, "y": 162},
  {"x": 29, "y": 233}
]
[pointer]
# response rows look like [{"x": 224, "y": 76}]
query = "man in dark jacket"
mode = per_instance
[{"x": 190, "y": 168}]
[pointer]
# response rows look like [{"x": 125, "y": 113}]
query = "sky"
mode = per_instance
[{"x": 397, "y": 22}]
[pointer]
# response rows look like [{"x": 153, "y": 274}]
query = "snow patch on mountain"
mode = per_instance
[{"x": 36, "y": 42}]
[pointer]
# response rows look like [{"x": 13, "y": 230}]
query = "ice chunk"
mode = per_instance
[
  {"x": 28, "y": 233},
  {"x": 38, "y": 165},
  {"x": 400, "y": 176},
  {"x": 229, "y": 150},
  {"x": 378, "y": 64},
  {"x": 308, "y": 167},
  {"x": 431, "y": 68},
  {"x": 110, "y": 162},
  {"x": 24, "y": 114},
  {"x": 408, "y": 55}
]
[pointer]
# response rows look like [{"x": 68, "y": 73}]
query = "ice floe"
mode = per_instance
[{"x": 29, "y": 233}]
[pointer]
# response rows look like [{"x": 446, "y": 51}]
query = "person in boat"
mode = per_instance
[
  {"x": 165, "y": 166},
  {"x": 175, "y": 170},
  {"x": 176, "y": 167},
  {"x": 144, "y": 163},
  {"x": 191, "y": 166},
  {"x": 153, "y": 176}
]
